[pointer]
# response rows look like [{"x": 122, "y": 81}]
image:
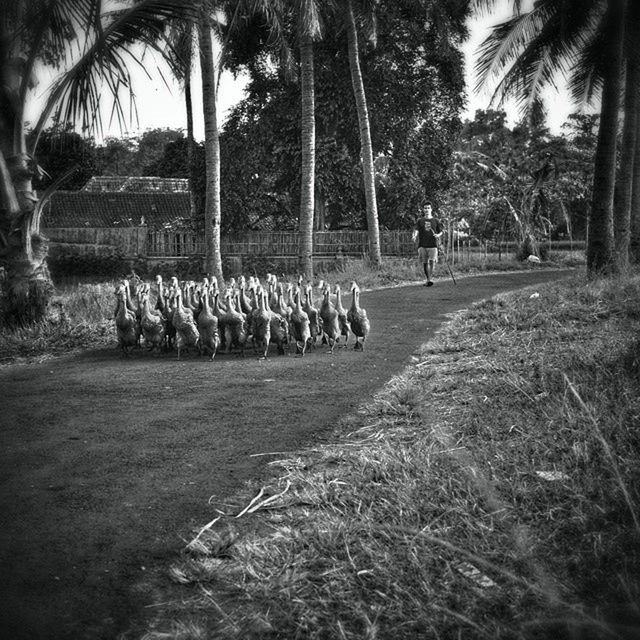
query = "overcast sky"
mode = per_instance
[{"x": 160, "y": 101}]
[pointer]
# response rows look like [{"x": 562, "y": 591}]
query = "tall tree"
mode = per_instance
[
  {"x": 600, "y": 232},
  {"x": 587, "y": 37},
  {"x": 414, "y": 87},
  {"x": 271, "y": 34},
  {"x": 365, "y": 137},
  {"x": 624, "y": 190},
  {"x": 212, "y": 210},
  {"x": 36, "y": 32},
  {"x": 309, "y": 29},
  {"x": 627, "y": 212},
  {"x": 634, "y": 242}
]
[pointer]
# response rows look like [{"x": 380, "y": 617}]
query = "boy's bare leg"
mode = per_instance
[{"x": 429, "y": 272}]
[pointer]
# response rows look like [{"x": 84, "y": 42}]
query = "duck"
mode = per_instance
[
  {"x": 357, "y": 317},
  {"x": 345, "y": 327},
  {"x": 299, "y": 324},
  {"x": 330, "y": 319}
]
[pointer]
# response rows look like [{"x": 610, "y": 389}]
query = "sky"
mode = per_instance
[
  {"x": 558, "y": 104},
  {"x": 160, "y": 101}
]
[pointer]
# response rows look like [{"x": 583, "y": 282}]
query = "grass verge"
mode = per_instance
[
  {"x": 490, "y": 491},
  {"x": 80, "y": 318}
]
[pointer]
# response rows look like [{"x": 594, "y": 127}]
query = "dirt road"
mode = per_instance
[{"x": 105, "y": 462}]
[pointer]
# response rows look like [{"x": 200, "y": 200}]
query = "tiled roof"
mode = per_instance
[
  {"x": 115, "y": 209},
  {"x": 136, "y": 183}
]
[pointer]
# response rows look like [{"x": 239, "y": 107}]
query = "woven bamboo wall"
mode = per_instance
[
  {"x": 134, "y": 242},
  {"x": 140, "y": 241}
]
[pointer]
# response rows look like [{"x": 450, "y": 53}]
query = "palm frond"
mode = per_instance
[
  {"x": 533, "y": 61},
  {"x": 366, "y": 14},
  {"x": 541, "y": 76},
  {"x": 77, "y": 93},
  {"x": 586, "y": 72},
  {"x": 234, "y": 19},
  {"x": 274, "y": 13},
  {"x": 526, "y": 80},
  {"x": 309, "y": 18},
  {"x": 484, "y": 7},
  {"x": 505, "y": 44},
  {"x": 49, "y": 191},
  {"x": 178, "y": 48}
]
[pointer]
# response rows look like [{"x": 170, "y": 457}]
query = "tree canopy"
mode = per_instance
[
  {"x": 508, "y": 179},
  {"x": 414, "y": 84}
]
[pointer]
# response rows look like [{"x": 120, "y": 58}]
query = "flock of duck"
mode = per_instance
[{"x": 198, "y": 315}]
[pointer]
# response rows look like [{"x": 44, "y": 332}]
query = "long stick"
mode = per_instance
[
  {"x": 451, "y": 273},
  {"x": 446, "y": 261}
]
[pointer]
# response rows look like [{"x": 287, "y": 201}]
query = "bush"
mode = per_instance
[
  {"x": 531, "y": 247},
  {"x": 101, "y": 262}
]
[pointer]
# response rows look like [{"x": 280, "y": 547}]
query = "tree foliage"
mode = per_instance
[
  {"x": 135, "y": 155},
  {"x": 593, "y": 43},
  {"x": 414, "y": 85},
  {"x": 64, "y": 152},
  {"x": 522, "y": 183}
]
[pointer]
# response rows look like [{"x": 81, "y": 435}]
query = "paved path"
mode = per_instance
[{"x": 105, "y": 462}]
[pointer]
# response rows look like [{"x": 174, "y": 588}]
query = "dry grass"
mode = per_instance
[
  {"x": 401, "y": 270},
  {"x": 491, "y": 491},
  {"x": 81, "y": 316}
]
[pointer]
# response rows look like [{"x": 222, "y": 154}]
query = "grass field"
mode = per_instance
[{"x": 490, "y": 491}]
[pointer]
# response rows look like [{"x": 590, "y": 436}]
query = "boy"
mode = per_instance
[{"x": 427, "y": 233}]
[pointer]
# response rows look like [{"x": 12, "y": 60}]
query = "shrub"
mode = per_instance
[{"x": 100, "y": 262}]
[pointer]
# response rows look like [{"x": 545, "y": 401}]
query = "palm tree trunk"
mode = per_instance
[
  {"x": 212, "y": 209},
  {"x": 634, "y": 200},
  {"x": 188, "y": 103},
  {"x": 26, "y": 283},
  {"x": 365, "y": 138},
  {"x": 308, "y": 160},
  {"x": 600, "y": 238},
  {"x": 634, "y": 244},
  {"x": 624, "y": 186}
]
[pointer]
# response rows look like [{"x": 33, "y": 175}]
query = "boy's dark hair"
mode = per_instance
[{"x": 428, "y": 204}]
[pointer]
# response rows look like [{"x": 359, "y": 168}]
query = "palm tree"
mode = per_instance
[
  {"x": 600, "y": 232},
  {"x": 627, "y": 203},
  {"x": 212, "y": 210},
  {"x": 365, "y": 136},
  {"x": 307, "y": 16},
  {"x": 308, "y": 159},
  {"x": 585, "y": 36},
  {"x": 634, "y": 245},
  {"x": 39, "y": 31}
]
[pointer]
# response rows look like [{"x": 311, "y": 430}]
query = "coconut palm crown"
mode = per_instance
[
  {"x": 587, "y": 41},
  {"x": 90, "y": 51}
]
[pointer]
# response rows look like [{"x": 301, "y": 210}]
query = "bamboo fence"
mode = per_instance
[{"x": 142, "y": 242}]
